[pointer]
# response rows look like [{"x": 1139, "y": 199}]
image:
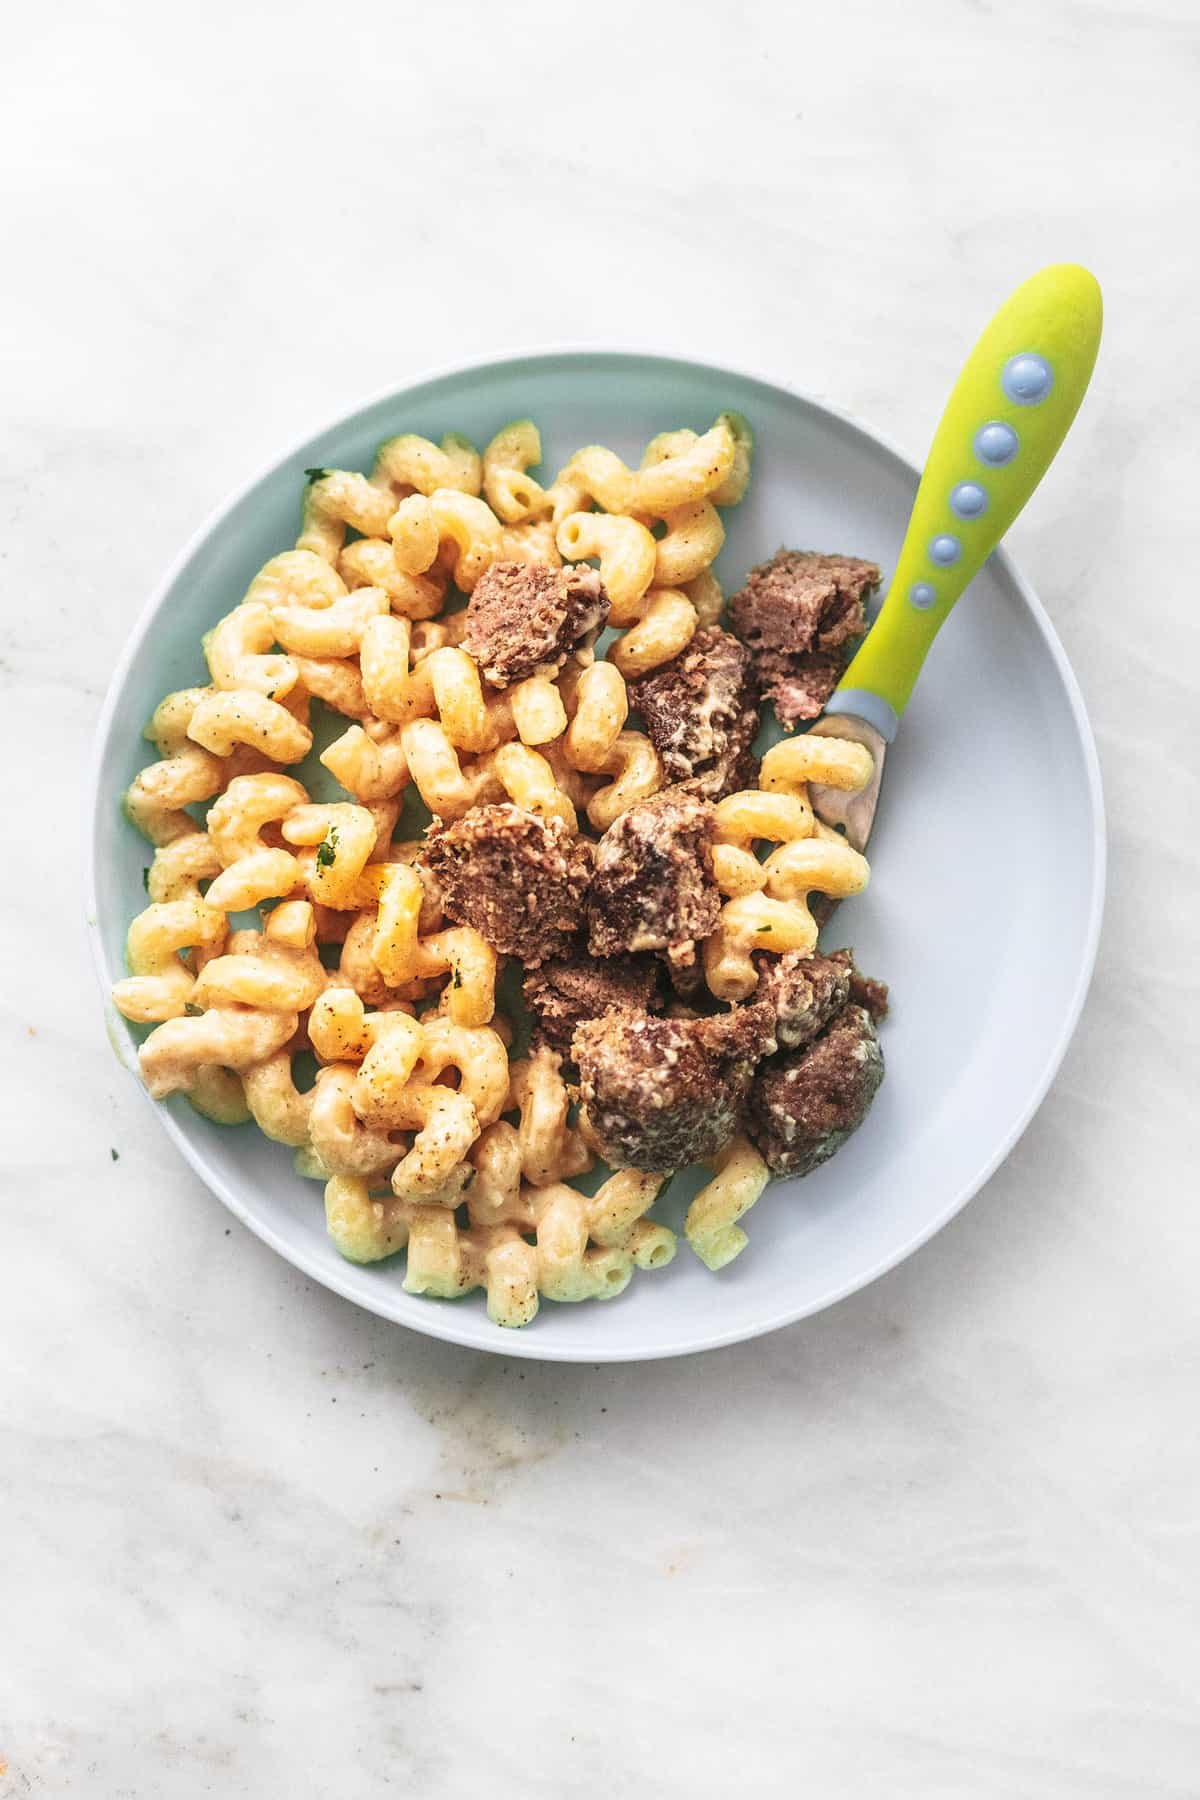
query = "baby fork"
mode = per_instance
[{"x": 1008, "y": 413}]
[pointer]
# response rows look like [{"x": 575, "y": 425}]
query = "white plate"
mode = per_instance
[{"x": 988, "y": 858}]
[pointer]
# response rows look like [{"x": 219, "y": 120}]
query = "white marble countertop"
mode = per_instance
[{"x": 941, "y": 1541}]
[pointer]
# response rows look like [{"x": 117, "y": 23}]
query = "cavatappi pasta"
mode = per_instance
[{"x": 294, "y": 965}]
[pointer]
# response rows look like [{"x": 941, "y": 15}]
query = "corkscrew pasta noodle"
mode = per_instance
[{"x": 432, "y": 1135}]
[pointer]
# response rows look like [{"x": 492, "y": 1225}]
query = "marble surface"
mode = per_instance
[{"x": 941, "y": 1541}]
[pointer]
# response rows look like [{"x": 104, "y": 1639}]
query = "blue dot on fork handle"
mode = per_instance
[
  {"x": 968, "y": 500},
  {"x": 945, "y": 550},
  {"x": 1027, "y": 378},
  {"x": 922, "y": 595},
  {"x": 996, "y": 444}
]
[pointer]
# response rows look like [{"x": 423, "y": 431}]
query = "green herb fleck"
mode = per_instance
[
  {"x": 766, "y": 928},
  {"x": 114, "y": 1154},
  {"x": 311, "y": 475},
  {"x": 456, "y": 980},
  {"x": 146, "y": 877},
  {"x": 193, "y": 1012},
  {"x": 327, "y": 849}
]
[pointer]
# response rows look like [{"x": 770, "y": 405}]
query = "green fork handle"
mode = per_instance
[{"x": 1010, "y": 410}]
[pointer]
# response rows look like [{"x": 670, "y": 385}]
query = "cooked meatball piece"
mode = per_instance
[
  {"x": 798, "y": 686},
  {"x": 803, "y": 600},
  {"x": 743, "y": 1034},
  {"x": 803, "y": 992},
  {"x": 802, "y": 616},
  {"x": 520, "y": 880},
  {"x": 654, "y": 888},
  {"x": 701, "y": 713},
  {"x": 524, "y": 618},
  {"x": 658, "y": 1093},
  {"x": 562, "y": 994},
  {"x": 805, "y": 1103},
  {"x": 866, "y": 992}
]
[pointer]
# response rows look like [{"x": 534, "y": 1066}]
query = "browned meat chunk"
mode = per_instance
[
  {"x": 803, "y": 992},
  {"x": 520, "y": 880},
  {"x": 562, "y": 994},
  {"x": 653, "y": 888},
  {"x": 802, "y": 616},
  {"x": 743, "y": 1034},
  {"x": 803, "y": 600},
  {"x": 798, "y": 686},
  {"x": 524, "y": 618},
  {"x": 866, "y": 992},
  {"x": 805, "y": 1103},
  {"x": 659, "y": 1093},
  {"x": 701, "y": 713}
]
